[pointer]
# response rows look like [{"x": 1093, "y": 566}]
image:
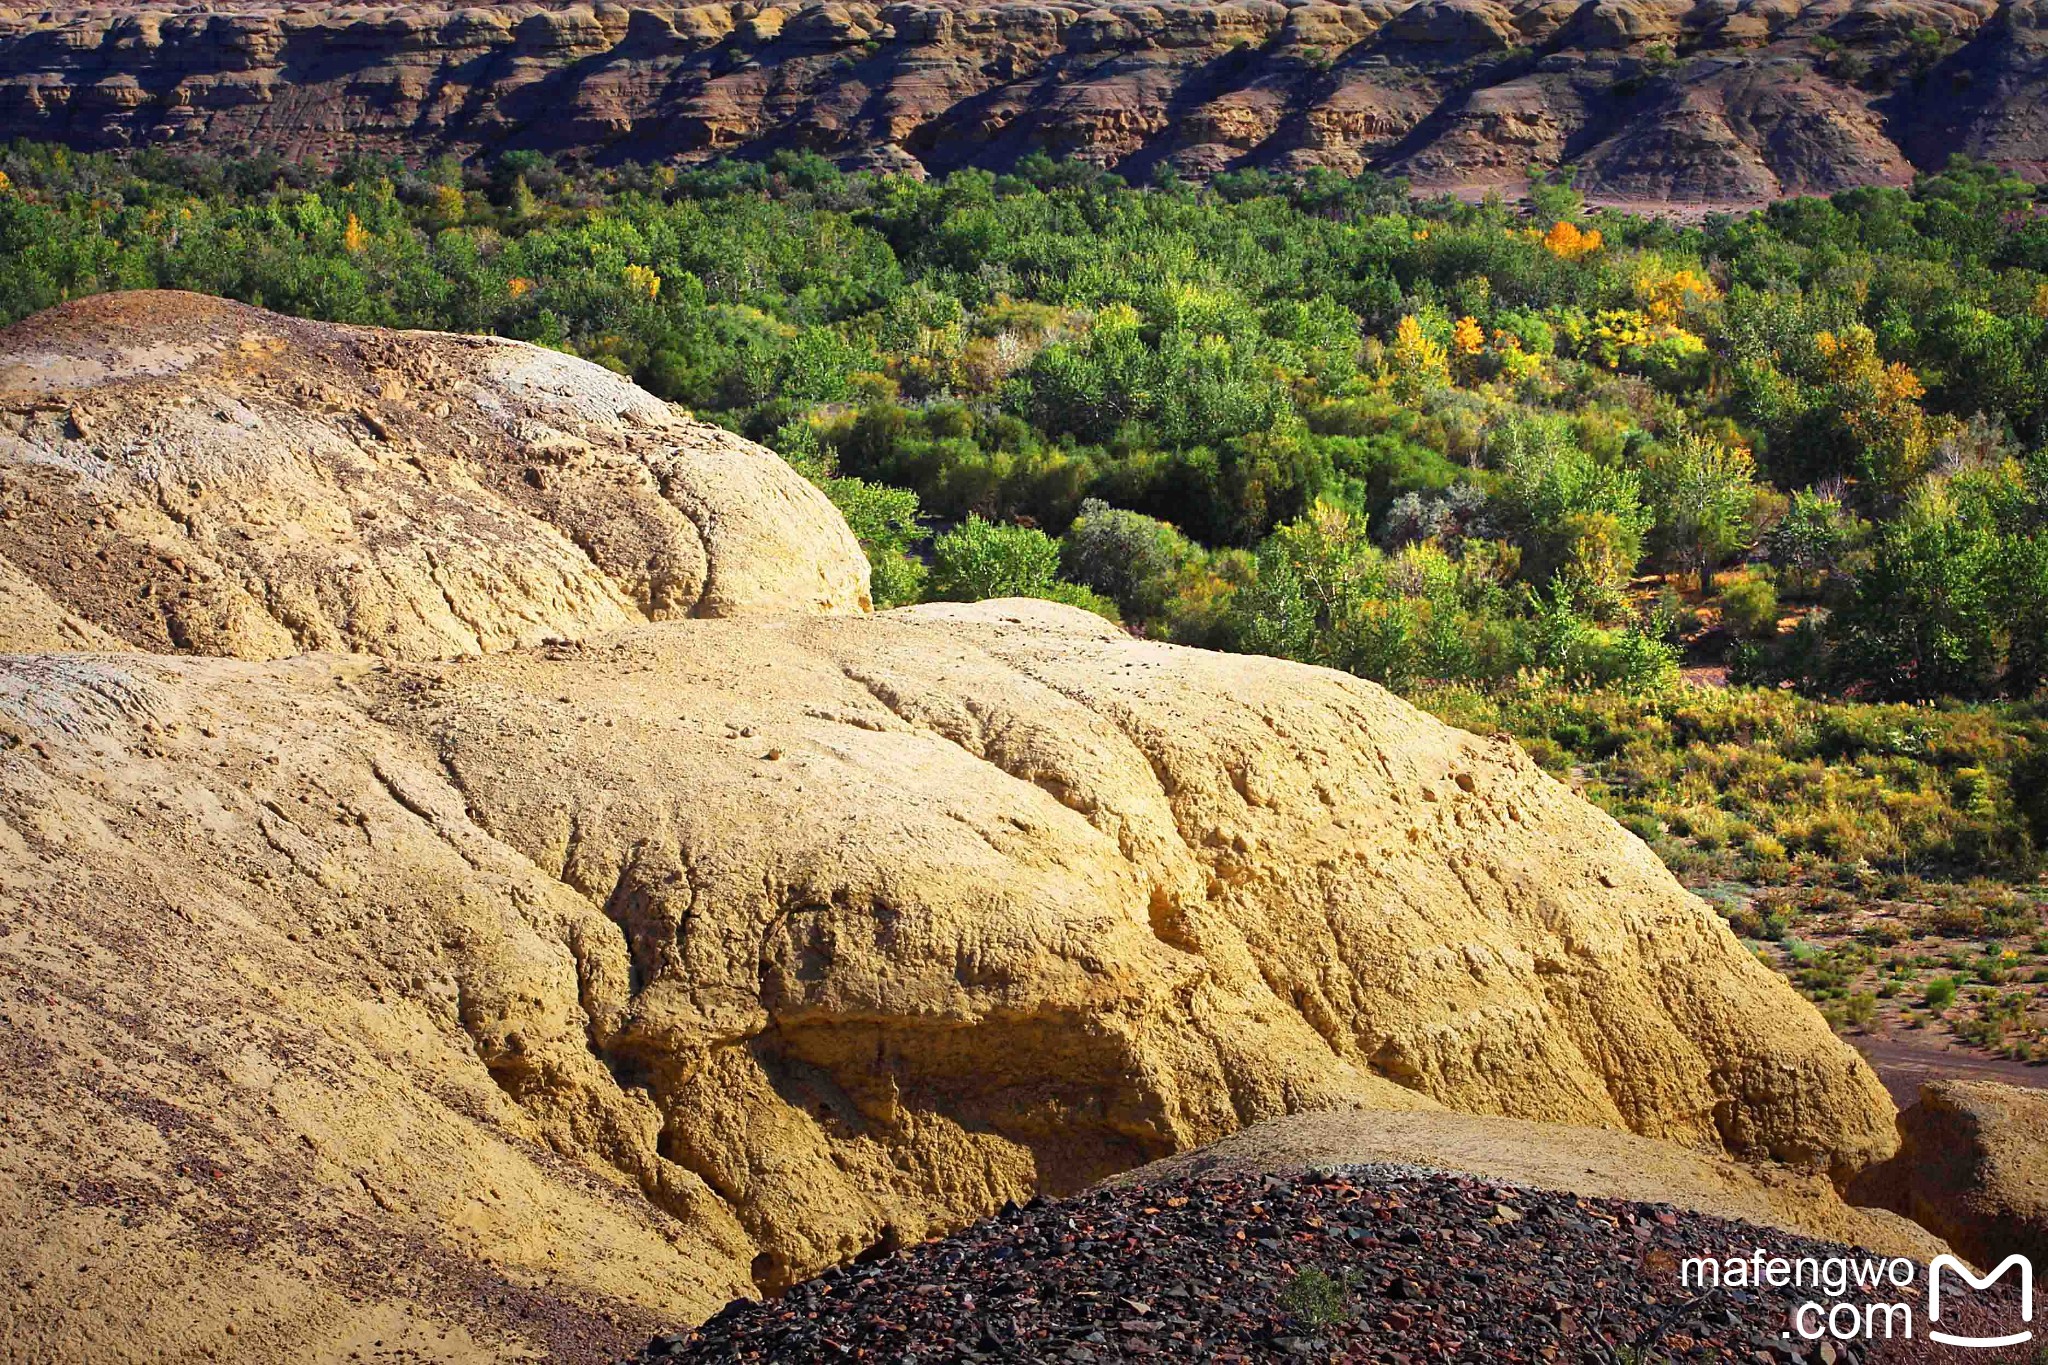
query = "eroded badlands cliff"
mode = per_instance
[
  {"x": 471, "y": 876},
  {"x": 1714, "y": 101}
]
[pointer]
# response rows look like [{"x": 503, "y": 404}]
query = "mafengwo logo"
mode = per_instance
[
  {"x": 1851, "y": 1305},
  {"x": 1951, "y": 1264}
]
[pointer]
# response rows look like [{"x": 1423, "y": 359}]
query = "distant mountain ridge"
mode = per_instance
[{"x": 1719, "y": 102}]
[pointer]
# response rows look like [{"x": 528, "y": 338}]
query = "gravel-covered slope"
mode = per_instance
[{"x": 1419, "y": 1266}]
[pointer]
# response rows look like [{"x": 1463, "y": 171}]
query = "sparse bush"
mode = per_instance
[
  {"x": 977, "y": 560},
  {"x": 1860, "y": 1009},
  {"x": 1749, "y": 606},
  {"x": 1317, "y": 1299}
]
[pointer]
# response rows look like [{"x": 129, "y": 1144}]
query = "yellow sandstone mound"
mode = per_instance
[
  {"x": 198, "y": 476},
  {"x": 520, "y": 998},
  {"x": 1589, "y": 1162}
]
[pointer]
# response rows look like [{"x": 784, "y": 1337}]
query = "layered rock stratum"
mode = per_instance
[
  {"x": 1726, "y": 102},
  {"x": 473, "y": 878}
]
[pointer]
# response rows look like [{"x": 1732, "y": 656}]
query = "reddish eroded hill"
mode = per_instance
[{"x": 1717, "y": 102}]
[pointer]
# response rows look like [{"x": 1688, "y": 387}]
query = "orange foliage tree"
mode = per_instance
[{"x": 1567, "y": 242}]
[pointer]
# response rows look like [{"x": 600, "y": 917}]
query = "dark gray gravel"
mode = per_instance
[{"x": 1411, "y": 1265}]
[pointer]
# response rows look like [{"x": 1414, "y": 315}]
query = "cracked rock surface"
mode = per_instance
[{"x": 194, "y": 475}]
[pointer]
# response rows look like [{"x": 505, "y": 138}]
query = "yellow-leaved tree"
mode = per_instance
[
  {"x": 1880, "y": 404},
  {"x": 1671, "y": 295},
  {"x": 1420, "y": 362},
  {"x": 642, "y": 281}
]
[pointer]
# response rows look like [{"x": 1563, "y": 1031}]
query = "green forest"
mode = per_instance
[{"x": 1738, "y": 526}]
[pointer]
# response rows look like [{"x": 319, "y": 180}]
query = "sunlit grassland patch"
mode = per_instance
[{"x": 1887, "y": 858}]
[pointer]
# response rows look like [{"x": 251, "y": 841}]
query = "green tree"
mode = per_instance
[
  {"x": 1701, "y": 493},
  {"x": 1579, "y": 520},
  {"x": 1134, "y": 560},
  {"x": 978, "y": 560},
  {"x": 1583, "y": 653},
  {"x": 1815, "y": 538},
  {"x": 884, "y": 520},
  {"x": 1321, "y": 595},
  {"x": 1924, "y": 621},
  {"x": 1879, "y": 404}
]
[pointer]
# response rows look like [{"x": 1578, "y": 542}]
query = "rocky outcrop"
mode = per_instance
[
  {"x": 791, "y": 937},
  {"x": 1656, "y": 100},
  {"x": 1972, "y": 1166},
  {"x": 529, "y": 993}
]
